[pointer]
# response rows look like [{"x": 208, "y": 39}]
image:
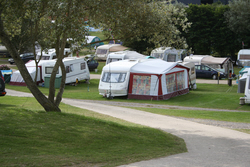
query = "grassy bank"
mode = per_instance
[{"x": 75, "y": 137}]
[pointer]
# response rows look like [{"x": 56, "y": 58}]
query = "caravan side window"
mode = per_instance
[
  {"x": 48, "y": 70},
  {"x": 83, "y": 66},
  {"x": 101, "y": 51},
  {"x": 69, "y": 68},
  {"x": 114, "y": 77},
  {"x": 171, "y": 58}
]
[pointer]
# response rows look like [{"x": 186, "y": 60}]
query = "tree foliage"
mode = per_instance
[
  {"x": 209, "y": 34},
  {"x": 160, "y": 26},
  {"x": 238, "y": 18}
]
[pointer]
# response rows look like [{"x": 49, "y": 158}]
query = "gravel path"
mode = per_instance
[{"x": 231, "y": 125}]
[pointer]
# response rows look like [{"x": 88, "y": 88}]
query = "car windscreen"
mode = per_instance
[{"x": 113, "y": 77}]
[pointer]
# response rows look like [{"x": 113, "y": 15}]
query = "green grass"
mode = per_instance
[
  {"x": 205, "y": 96},
  {"x": 99, "y": 68},
  {"x": 31, "y": 137},
  {"x": 243, "y": 117}
]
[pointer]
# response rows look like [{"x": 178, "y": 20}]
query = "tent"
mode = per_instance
[
  {"x": 18, "y": 80},
  {"x": 91, "y": 39},
  {"x": 156, "y": 79}
]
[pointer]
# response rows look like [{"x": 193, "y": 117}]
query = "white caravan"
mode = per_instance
[
  {"x": 191, "y": 74},
  {"x": 247, "y": 88},
  {"x": 123, "y": 55},
  {"x": 51, "y": 54},
  {"x": 114, "y": 79},
  {"x": 245, "y": 82},
  {"x": 102, "y": 51},
  {"x": 168, "y": 54},
  {"x": 76, "y": 70},
  {"x": 243, "y": 58}
]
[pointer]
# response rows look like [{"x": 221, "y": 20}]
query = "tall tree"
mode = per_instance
[
  {"x": 238, "y": 19},
  {"x": 160, "y": 26},
  {"x": 209, "y": 32}
]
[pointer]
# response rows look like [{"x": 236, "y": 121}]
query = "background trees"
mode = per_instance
[
  {"x": 238, "y": 18},
  {"x": 209, "y": 32}
]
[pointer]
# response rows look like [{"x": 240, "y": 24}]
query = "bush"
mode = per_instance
[{"x": 4, "y": 67}]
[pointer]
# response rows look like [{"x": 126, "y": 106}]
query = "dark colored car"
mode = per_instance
[
  {"x": 204, "y": 71},
  {"x": 25, "y": 57},
  {"x": 92, "y": 63},
  {"x": 2, "y": 85}
]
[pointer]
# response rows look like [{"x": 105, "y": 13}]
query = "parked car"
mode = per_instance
[
  {"x": 204, "y": 71},
  {"x": 25, "y": 57},
  {"x": 2, "y": 85},
  {"x": 92, "y": 63}
]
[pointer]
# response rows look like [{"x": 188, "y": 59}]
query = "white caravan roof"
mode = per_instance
[
  {"x": 161, "y": 49},
  {"x": 118, "y": 66},
  {"x": 126, "y": 55},
  {"x": 115, "y": 47},
  {"x": 41, "y": 62},
  {"x": 244, "y": 51},
  {"x": 153, "y": 66}
]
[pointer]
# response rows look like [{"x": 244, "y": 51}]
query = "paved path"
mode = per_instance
[{"x": 208, "y": 146}]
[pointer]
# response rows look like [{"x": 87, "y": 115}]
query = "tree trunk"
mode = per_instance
[{"x": 40, "y": 97}]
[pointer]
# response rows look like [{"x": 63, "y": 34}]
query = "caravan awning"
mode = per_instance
[
  {"x": 117, "y": 48},
  {"x": 213, "y": 60}
]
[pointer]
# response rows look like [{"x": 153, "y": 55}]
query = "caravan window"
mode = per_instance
[
  {"x": 156, "y": 55},
  {"x": 45, "y": 58},
  {"x": 113, "y": 60},
  {"x": 113, "y": 77},
  {"x": 171, "y": 58},
  {"x": 69, "y": 68},
  {"x": 48, "y": 70},
  {"x": 83, "y": 66},
  {"x": 101, "y": 51}
]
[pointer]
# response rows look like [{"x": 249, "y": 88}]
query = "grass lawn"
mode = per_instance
[
  {"x": 75, "y": 137},
  {"x": 205, "y": 96},
  {"x": 243, "y": 117}
]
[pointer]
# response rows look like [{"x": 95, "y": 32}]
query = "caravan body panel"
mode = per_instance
[
  {"x": 243, "y": 58},
  {"x": 192, "y": 74},
  {"x": 247, "y": 88}
]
